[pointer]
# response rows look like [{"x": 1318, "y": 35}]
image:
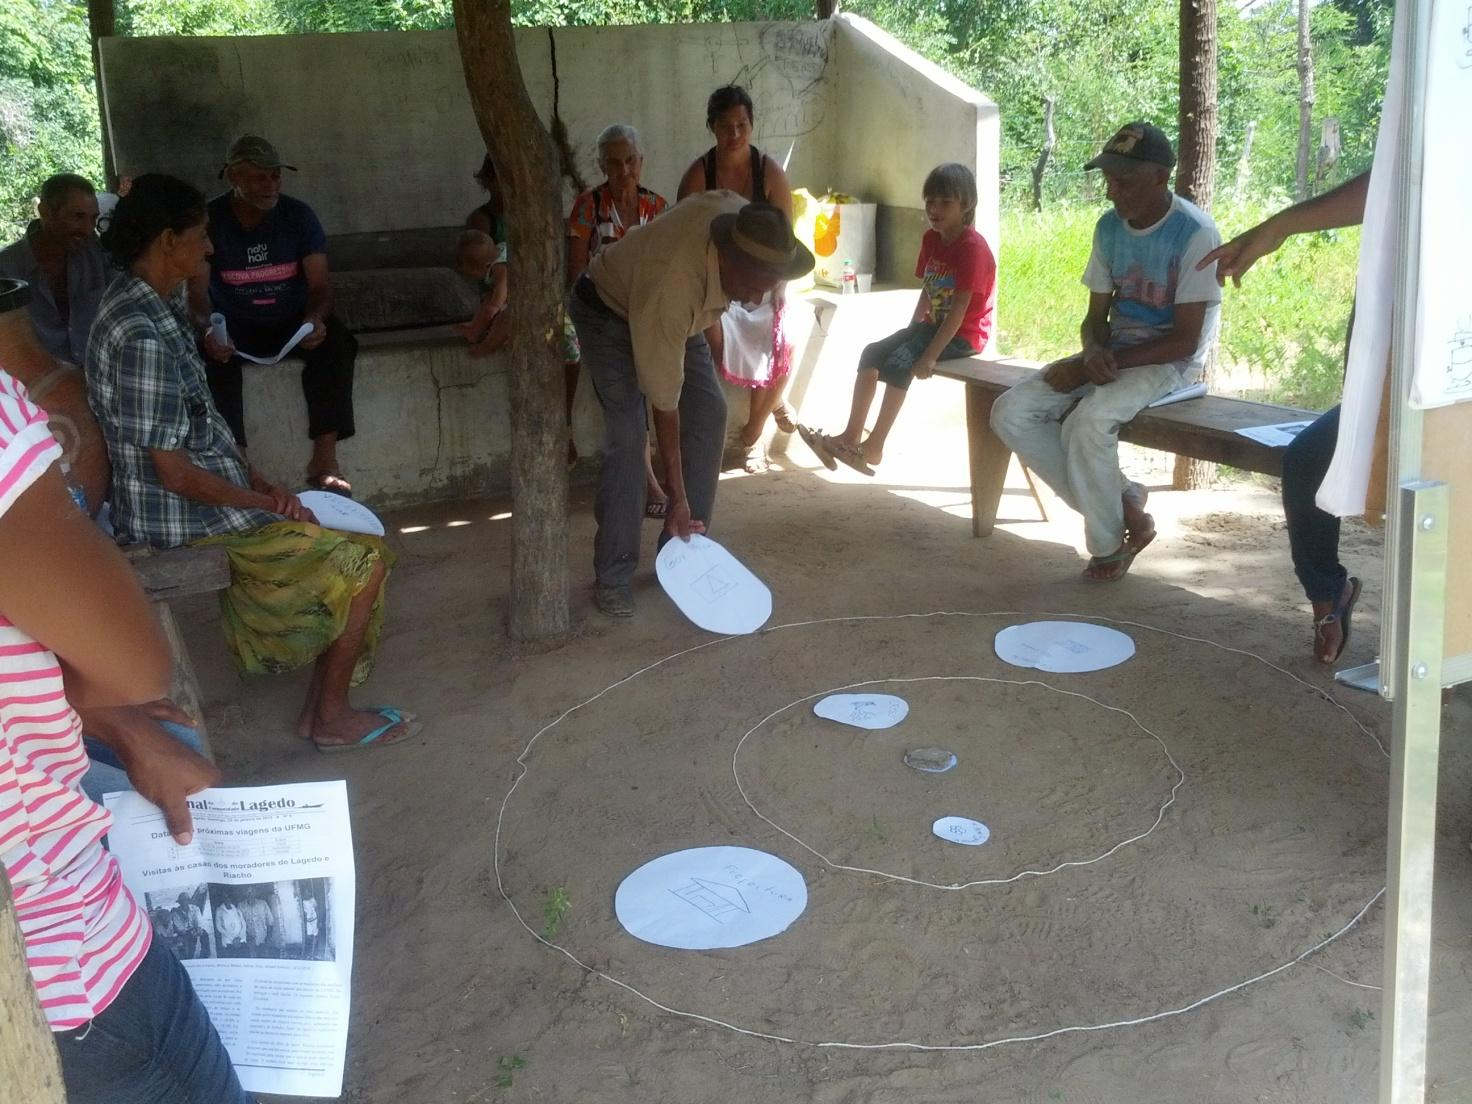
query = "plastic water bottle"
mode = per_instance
[{"x": 849, "y": 281}]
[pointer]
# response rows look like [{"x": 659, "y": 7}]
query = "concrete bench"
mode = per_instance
[
  {"x": 178, "y": 573},
  {"x": 1204, "y": 428}
]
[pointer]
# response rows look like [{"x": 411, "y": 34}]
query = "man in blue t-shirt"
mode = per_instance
[
  {"x": 268, "y": 276},
  {"x": 1151, "y": 321}
]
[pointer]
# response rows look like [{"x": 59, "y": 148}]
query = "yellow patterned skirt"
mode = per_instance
[{"x": 291, "y": 584}]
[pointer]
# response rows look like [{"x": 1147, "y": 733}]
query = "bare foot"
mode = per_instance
[{"x": 351, "y": 725}]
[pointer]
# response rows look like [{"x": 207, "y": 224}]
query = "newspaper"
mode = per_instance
[
  {"x": 259, "y": 907},
  {"x": 1275, "y": 436}
]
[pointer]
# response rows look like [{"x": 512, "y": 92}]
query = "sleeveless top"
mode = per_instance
[{"x": 758, "y": 174}]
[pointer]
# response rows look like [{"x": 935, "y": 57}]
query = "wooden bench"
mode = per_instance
[
  {"x": 178, "y": 573},
  {"x": 1204, "y": 428}
]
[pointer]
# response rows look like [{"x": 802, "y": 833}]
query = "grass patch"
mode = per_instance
[
  {"x": 1282, "y": 331},
  {"x": 554, "y": 908}
]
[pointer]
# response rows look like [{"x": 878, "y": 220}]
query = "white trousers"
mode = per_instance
[{"x": 1078, "y": 455}]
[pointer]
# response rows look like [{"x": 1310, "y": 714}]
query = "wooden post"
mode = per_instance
[
  {"x": 526, "y": 166},
  {"x": 1305, "y": 102},
  {"x": 1050, "y": 139},
  {"x": 29, "y": 1067},
  {"x": 102, "y": 23},
  {"x": 1196, "y": 168}
]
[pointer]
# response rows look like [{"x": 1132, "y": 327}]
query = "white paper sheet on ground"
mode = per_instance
[
  {"x": 333, "y": 511},
  {"x": 1342, "y": 493},
  {"x": 710, "y": 897},
  {"x": 1275, "y": 436},
  {"x": 712, "y": 587},
  {"x": 1443, "y": 309},
  {"x": 863, "y": 710},
  {"x": 1063, "y": 647},
  {"x": 1180, "y": 394},
  {"x": 954, "y": 829},
  {"x": 291, "y": 343}
]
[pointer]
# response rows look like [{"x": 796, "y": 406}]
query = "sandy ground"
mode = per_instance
[{"x": 1274, "y": 842}]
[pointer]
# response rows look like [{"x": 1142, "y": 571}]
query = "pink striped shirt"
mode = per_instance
[{"x": 84, "y": 933}]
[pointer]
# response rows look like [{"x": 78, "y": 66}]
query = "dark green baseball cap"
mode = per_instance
[
  {"x": 1135, "y": 144},
  {"x": 256, "y": 150}
]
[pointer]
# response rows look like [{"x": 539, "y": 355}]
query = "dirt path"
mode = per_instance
[{"x": 1274, "y": 841}]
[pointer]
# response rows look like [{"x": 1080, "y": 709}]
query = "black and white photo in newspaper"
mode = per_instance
[{"x": 259, "y": 908}]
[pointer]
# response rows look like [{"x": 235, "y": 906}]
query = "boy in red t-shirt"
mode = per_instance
[{"x": 953, "y": 318}]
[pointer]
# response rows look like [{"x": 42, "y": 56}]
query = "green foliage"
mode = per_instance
[
  {"x": 508, "y": 1065},
  {"x": 554, "y": 909},
  {"x": 1282, "y": 331}
]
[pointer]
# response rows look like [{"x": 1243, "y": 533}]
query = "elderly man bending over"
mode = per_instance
[
  {"x": 1152, "y": 318},
  {"x": 641, "y": 311}
]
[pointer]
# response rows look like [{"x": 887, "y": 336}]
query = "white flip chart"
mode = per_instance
[{"x": 712, "y": 587}]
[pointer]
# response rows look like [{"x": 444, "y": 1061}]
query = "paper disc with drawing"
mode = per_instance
[
  {"x": 333, "y": 511},
  {"x": 712, "y": 587},
  {"x": 1063, "y": 647},
  {"x": 863, "y": 710},
  {"x": 710, "y": 897},
  {"x": 954, "y": 829}
]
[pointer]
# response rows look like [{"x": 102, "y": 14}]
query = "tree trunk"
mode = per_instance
[
  {"x": 1196, "y": 169},
  {"x": 1244, "y": 163},
  {"x": 102, "y": 23},
  {"x": 29, "y": 1068},
  {"x": 526, "y": 166},
  {"x": 1305, "y": 103},
  {"x": 1050, "y": 139}
]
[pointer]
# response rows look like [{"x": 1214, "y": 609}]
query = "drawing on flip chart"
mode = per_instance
[
  {"x": 706, "y": 898},
  {"x": 712, "y": 587}
]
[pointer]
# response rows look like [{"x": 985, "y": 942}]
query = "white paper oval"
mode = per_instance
[
  {"x": 1063, "y": 647},
  {"x": 863, "y": 710},
  {"x": 333, "y": 511},
  {"x": 954, "y": 829},
  {"x": 712, "y": 587},
  {"x": 706, "y": 898}
]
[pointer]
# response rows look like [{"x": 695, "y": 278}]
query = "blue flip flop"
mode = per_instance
[{"x": 391, "y": 717}]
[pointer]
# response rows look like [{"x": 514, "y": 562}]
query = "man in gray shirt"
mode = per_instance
[{"x": 59, "y": 256}]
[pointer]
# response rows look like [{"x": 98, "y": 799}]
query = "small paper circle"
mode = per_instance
[
  {"x": 954, "y": 829},
  {"x": 333, "y": 511},
  {"x": 871, "y": 711}
]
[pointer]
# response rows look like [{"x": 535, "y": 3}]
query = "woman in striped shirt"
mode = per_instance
[{"x": 75, "y": 629}]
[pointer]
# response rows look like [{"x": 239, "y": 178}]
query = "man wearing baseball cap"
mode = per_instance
[
  {"x": 641, "y": 310},
  {"x": 268, "y": 276},
  {"x": 1151, "y": 321}
]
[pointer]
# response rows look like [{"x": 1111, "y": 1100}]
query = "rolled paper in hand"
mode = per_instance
[{"x": 218, "y": 331}]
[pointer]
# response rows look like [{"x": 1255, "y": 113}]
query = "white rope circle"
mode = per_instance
[{"x": 1150, "y": 1017}]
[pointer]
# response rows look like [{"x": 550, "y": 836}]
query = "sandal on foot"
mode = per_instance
[
  {"x": 1340, "y": 615},
  {"x": 783, "y": 417},
  {"x": 332, "y": 482},
  {"x": 392, "y": 717},
  {"x": 815, "y": 441},
  {"x": 754, "y": 458},
  {"x": 1122, "y": 558},
  {"x": 849, "y": 455}
]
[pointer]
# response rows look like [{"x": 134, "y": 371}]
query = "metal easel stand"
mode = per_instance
[{"x": 1416, "y": 739}]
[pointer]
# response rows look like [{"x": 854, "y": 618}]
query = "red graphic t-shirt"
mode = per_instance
[{"x": 967, "y": 264}]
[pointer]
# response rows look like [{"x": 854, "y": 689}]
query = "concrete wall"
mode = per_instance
[
  {"x": 380, "y": 124},
  {"x": 900, "y": 116}
]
